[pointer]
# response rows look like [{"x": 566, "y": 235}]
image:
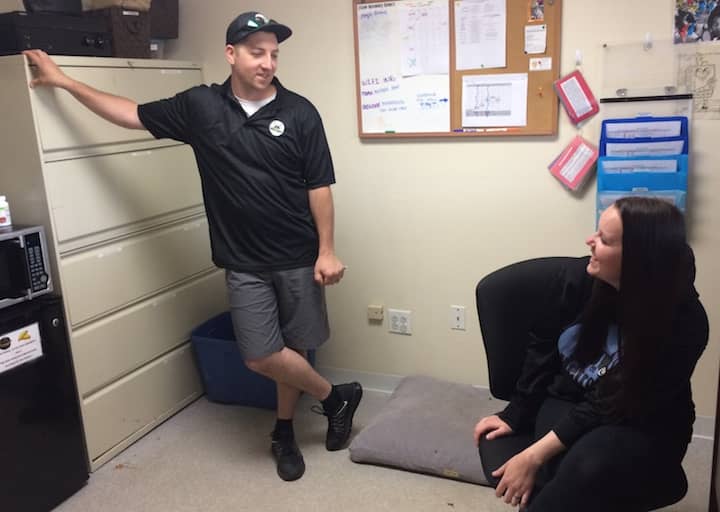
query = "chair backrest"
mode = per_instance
[{"x": 519, "y": 302}]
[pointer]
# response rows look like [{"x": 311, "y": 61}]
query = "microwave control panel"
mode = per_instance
[{"x": 36, "y": 262}]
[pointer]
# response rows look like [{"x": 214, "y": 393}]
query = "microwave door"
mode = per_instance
[{"x": 14, "y": 274}]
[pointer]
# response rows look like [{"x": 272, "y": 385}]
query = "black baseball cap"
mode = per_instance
[{"x": 250, "y": 22}]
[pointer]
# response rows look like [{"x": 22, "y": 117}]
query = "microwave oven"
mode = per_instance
[{"x": 24, "y": 264}]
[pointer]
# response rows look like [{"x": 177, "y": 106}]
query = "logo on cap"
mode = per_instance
[
  {"x": 277, "y": 128},
  {"x": 259, "y": 21}
]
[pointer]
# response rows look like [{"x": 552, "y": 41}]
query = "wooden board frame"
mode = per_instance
[{"x": 542, "y": 102}]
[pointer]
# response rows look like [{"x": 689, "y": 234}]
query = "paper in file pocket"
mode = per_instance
[
  {"x": 637, "y": 149},
  {"x": 664, "y": 177},
  {"x": 645, "y": 128},
  {"x": 644, "y": 136},
  {"x": 651, "y": 166},
  {"x": 639, "y": 164},
  {"x": 606, "y": 198},
  {"x": 642, "y": 173}
]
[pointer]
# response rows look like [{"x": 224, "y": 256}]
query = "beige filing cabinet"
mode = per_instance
[{"x": 128, "y": 237}]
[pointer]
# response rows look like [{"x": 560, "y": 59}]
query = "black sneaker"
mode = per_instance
[
  {"x": 289, "y": 460},
  {"x": 340, "y": 423}
]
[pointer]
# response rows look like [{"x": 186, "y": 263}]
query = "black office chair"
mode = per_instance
[{"x": 517, "y": 303}]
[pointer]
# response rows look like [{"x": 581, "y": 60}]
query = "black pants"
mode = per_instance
[{"x": 611, "y": 468}]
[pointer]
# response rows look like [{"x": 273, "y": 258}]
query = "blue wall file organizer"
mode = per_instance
[{"x": 645, "y": 156}]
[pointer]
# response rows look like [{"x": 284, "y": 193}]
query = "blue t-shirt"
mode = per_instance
[{"x": 588, "y": 375}]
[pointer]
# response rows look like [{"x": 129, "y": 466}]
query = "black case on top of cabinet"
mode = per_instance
[
  {"x": 130, "y": 31},
  {"x": 164, "y": 18},
  {"x": 57, "y": 34}
]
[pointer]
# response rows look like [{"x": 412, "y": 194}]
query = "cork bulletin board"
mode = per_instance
[{"x": 442, "y": 68}]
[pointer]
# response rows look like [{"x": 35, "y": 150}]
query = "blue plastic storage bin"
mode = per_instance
[{"x": 224, "y": 374}]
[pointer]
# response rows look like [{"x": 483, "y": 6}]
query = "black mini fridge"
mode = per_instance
[{"x": 43, "y": 458}]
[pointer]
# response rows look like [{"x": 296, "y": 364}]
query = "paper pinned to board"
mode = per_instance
[
  {"x": 535, "y": 39},
  {"x": 480, "y": 34},
  {"x": 404, "y": 80},
  {"x": 494, "y": 100},
  {"x": 541, "y": 64}
]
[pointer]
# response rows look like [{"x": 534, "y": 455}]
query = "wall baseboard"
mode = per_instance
[
  {"x": 386, "y": 383},
  {"x": 378, "y": 382}
]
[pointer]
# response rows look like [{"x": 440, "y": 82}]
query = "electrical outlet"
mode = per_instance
[
  {"x": 375, "y": 312},
  {"x": 457, "y": 318},
  {"x": 400, "y": 321}
]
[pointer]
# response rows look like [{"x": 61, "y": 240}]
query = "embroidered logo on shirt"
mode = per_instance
[{"x": 277, "y": 128}]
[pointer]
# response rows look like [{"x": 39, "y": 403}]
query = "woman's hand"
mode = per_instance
[
  {"x": 517, "y": 478},
  {"x": 493, "y": 425},
  {"x": 517, "y": 475}
]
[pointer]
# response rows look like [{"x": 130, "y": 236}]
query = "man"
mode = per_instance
[{"x": 266, "y": 172}]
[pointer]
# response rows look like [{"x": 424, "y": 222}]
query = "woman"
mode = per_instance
[{"x": 609, "y": 402}]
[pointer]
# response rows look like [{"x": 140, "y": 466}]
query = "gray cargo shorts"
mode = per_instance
[{"x": 274, "y": 309}]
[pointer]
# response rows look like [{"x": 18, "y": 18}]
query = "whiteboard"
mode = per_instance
[{"x": 404, "y": 63}]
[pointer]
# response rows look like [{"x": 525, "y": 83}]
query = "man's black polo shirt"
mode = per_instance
[{"x": 255, "y": 172}]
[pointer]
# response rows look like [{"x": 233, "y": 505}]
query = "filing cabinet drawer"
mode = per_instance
[
  {"x": 88, "y": 195},
  {"x": 62, "y": 125},
  {"x": 119, "y": 344},
  {"x": 140, "y": 400},
  {"x": 112, "y": 276}
]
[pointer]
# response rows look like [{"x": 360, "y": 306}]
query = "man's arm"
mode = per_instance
[
  {"x": 116, "y": 109},
  {"x": 328, "y": 268}
]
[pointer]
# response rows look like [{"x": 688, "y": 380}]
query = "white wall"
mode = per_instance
[
  {"x": 419, "y": 222},
  {"x": 11, "y": 5}
]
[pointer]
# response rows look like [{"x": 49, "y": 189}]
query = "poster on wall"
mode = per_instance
[
  {"x": 404, "y": 66},
  {"x": 698, "y": 68},
  {"x": 696, "y": 21}
]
